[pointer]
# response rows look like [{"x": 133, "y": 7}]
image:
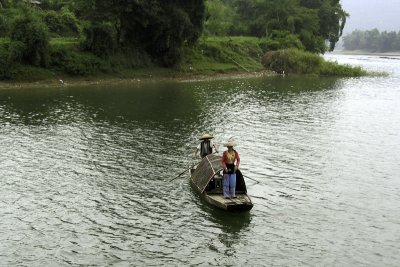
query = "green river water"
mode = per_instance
[{"x": 87, "y": 174}]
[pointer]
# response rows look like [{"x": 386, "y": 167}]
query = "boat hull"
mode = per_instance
[{"x": 242, "y": 202}]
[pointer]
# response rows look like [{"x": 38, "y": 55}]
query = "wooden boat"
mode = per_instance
[{"x": 207, "y": 178}]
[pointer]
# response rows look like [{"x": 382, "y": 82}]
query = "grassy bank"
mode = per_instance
[
  {"x": 294, "y": 61},
  {"x": 211, "y": 56}
]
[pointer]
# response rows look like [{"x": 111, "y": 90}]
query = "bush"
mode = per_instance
[
  {"x": 78, "y": 63},
  {"x": 34, "y": 35},
  {"x": 281, "y": 40},
  {"x": 301, "y": 62},
  {"x": 329, "y": 68},
  {"x": 70, "y": 23},
  {"x": 292, "y": 61},
  {"x": 131, "y": 58},
  {"x": 61, "y": 23},
  {"x": 100, "y": 40},
  {"x": 4, "y": 66},
  {"x": 3, "y": 27},
  {"x": 16, "y": 52},
  {"x": 25, "y": 73},
  {"x": 53, "y": 22}
]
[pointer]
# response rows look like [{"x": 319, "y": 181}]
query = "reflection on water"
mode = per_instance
[{"x": 86, "y": 174}]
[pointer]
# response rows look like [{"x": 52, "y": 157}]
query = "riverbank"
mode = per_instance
[
  {"x": 142, "y": 78},
  {"x": 212, "y": 58}
]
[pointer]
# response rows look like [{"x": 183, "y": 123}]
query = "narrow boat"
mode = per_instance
[{"x": 207, "y": 178}]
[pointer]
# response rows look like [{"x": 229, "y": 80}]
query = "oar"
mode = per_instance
[
  {"x": 191, "y": 167},
  {"x": 179, "y": 175},
  {"x": 251, "y": 179}
]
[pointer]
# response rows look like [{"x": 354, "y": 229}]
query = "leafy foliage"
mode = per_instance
[
  {"x": 78, "y": 63},
  {"x": 100, "y": 39},
  {"x": 3, "y": 26},
  {"x": 220, "y": 18},
  {"x": 311, "y": 21},
  {"x": 30, "y": 31},
  {"x": 4, "y": 64},
  {"x": 62, "y": 23},
  {"x": 160, "y": 27}
]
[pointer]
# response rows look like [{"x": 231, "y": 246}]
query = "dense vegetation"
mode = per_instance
[
  {"x": 304, "y": 24},
  {"x": 48, "y": 38},
  {"x": 372, "y": 41}
]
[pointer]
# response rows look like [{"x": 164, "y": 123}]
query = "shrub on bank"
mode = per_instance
[
  {"x": 30, "y": 31},
  {"x": 78, "y": 63},
  {"x": 292, "y": 61},
  {"x": 334, "y": 69},
  {"x": 301, "y": 62},
  {"x": 11, "y": 67},
  {"x": 26, "y": 73}
]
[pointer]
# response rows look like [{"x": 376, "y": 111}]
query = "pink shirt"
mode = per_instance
[{"x": 225, "y": 159}]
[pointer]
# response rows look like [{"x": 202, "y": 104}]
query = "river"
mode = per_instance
[{"x": 87, "y": 173}]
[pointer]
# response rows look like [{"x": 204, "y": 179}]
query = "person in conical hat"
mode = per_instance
[
  {"x": 206, "y": 146},
  {"x": 230, "y": 163}
]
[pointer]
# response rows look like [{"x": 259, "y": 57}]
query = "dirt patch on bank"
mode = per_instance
[{"x": 182, "y": 78}]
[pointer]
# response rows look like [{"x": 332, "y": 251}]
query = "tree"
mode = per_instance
[
  {"x": 372, "y": 41},
  {"x": 313, "y": 21},
  {"x": 33, "y": 34},
  {"x": 62, "y": 23},
  {"x": 161, "y": 27},
  {"x": 332, "y": 21},
  {"x": 219, "y": 19}
]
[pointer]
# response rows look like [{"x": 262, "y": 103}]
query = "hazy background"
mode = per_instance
[{"x": 370, "y": 14}]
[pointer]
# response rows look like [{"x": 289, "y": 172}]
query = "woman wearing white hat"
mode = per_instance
[
  {"x": 206, "y": 146},
  {"x": 230, "y": 162}
]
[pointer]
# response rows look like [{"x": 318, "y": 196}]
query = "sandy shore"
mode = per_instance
[{"x": 75, "y": 82}]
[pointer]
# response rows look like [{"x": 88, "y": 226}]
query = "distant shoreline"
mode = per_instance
[{"x": 360, "y": 52}]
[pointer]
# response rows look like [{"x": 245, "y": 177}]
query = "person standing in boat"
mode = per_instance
[
  {"x": 230, "y": 162},
  {"x": 206, "y": 146}
]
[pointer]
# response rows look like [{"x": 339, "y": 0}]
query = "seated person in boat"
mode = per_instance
[
  {"x": 206, "y": 146},
  {"x": 230, "y": 162}
]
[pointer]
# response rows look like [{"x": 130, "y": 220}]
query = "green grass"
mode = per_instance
[
  {"x": 223, "y": 54},
  {"x": 294, "y": 61},
  {"x": 24, "y": 73},
  {"x": 64, "y": 41}
]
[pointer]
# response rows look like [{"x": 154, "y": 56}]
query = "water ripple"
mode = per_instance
[{"x": 90, "y": 178}]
